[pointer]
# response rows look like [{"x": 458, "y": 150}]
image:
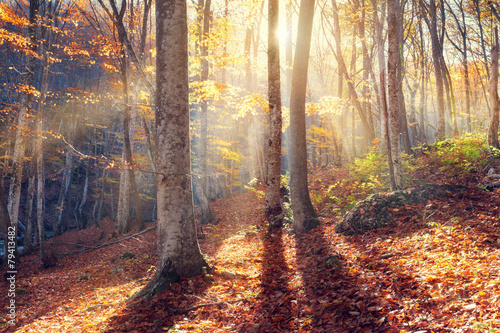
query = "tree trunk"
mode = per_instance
[
  {"x": 493, "y": 89},
  {"x": 123, "y": 210},
  {"x": 273, "y": 210},
  {"x": 304, "y": 216},
  {"x": 436, "y": 60},
  {"x": 65, "y": 182},
  {"x": 22, "y": 122},
  {"x": 403, "y": 122},
  {"x": 383, "y": 97},
  {"x": 204, "y": 189},
  {"x": 178, "y": 251},
  {"x": 392, "y": 87}
]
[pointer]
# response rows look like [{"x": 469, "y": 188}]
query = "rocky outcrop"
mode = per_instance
[{"x": 375, "y": 211}]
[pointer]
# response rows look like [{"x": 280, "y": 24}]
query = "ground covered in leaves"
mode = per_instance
[{"x": 436, "y": 268}]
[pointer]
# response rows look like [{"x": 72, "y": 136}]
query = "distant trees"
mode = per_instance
[{"x": 76, "y": 99}]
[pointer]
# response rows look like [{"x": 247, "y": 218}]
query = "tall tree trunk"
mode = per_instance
[
  {"x": 65, "y": 182},
  {"x": 273, "y": 210},
  {"x": 44, "y": 85},
  {"x": 288, "y": 53},
  {"x": 22, "y": 122},
  {"x": 392, "y": 87},
  {"x": 495, "y": 103},
  {"x": 383, "y": 97},
  {"x": 436, "y": 60},
  {"x": 178, "y": 251},
  {"x": 203, "y": 192},
  {"x": 29, "y": 204},
  {"x": 304, "y": 216},
  {"x": 123, "y": 210},
  {"x": 403, "y": 122},
  {"x": 423, "y": 99},
  {"x": 127, "y": 146}
]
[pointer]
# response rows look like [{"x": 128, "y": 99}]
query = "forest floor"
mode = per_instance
[{"x": 436, "y": 268}]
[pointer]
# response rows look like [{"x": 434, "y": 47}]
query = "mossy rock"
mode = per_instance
[{"x": 374, "y": 212}]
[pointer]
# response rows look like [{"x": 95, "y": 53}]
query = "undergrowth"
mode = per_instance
[
  {"x": 460, "y": 157},
  {"x": 456, "y": 158}
]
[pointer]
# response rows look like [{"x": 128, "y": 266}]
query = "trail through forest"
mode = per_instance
[{"x": 435, "y": 269}]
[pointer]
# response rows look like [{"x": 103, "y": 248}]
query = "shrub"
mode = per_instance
[{"x": 461, "y": 156}]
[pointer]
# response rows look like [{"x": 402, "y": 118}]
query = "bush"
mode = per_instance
[
  {"x": 459, "y": 157},
  {"x": 370, "y": 173}
]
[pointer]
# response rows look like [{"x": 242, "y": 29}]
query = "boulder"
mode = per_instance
[{"x": 375, "y": 211}]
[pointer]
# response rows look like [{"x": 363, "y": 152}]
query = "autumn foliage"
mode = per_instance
[{"x": 435, "y": 268}]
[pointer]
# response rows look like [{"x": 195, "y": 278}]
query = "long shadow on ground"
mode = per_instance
[
  {"x": 336, "y": 297},
  {"x": 161, "y": 312},
  {"x": 275, "y": 311}
]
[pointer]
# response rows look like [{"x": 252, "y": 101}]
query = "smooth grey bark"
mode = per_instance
[
  {"x": 378, "y": 26},
  {"x": 178, "y": 250},
  {"x": 273, "y": 209},
  {"x": 288, "y": 52},
  {"x": 493, "y": 89},
  {"x": 204, "y": 34},
  {"x": 66, "y": 181},
  {"x": 304, "y": 216},
  {"x": 44, "y": 85},
  {"x": 22, "y": 122},
  {"x": 392, "y": 88},
  {"x": 403, "y": 123},
  {"x": 436, "y": 60},
  {"x": 123, "y": 209},
  {"x": 423, "y": 99},
  {"x": 29, "y": 202}
]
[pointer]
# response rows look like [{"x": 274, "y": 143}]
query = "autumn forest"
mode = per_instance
[{"x": 249, "y": 166}]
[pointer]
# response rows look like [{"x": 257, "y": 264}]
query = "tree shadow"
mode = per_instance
[
  {"x": 338, "y": 295},
  {"x": 160, "y": 313},
  {"x": 275, "y": 310}
]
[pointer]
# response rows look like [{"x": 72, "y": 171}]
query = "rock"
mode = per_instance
[
  {"x": 126, "y": 255},
  {"x": 116, "y": 270},
  {"x": 375, "y": 211}
]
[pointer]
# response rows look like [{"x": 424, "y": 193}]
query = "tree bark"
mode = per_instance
[
  {"x": 383, "y": 96},
  {"x": 273, "y": 209},
  {"x": 178, "y": 251},
  {"x": 436, "y": 60},
  {"x": 493, "y": 89},
  {"x": 204, "y": 189},
  {"x": 304, "y": 216},
  {"x": 22, "y": 122},
  {"x": 392, "y": 87}
]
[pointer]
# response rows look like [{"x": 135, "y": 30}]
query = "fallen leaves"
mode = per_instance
[{"x": 411, "y": 276}]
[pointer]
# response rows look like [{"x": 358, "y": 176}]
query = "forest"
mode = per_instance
[{"x": 249, "y": 166}]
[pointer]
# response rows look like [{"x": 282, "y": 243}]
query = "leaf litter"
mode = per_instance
[{"x": 434, "y": 269}]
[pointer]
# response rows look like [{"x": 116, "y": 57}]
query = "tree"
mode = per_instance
[
  {"x": 25, "y": 98},
  {"x": 304, "y": 216},
  {"x": 274, "y": 212},
  {"x": 383, "y": 96},
  {"x": 203, "y": 189},
  {"x": 495, "y": 102},
  {"x": 436, "y": 61},
  {"x": 178, "y": 251},
  {"x": 392, "y": 88}
]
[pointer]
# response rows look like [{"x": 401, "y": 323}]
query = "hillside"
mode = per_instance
[{"x": 435, "y": 268}]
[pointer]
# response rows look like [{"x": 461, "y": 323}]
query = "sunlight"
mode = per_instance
[{"x": 283, "y": 35}]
